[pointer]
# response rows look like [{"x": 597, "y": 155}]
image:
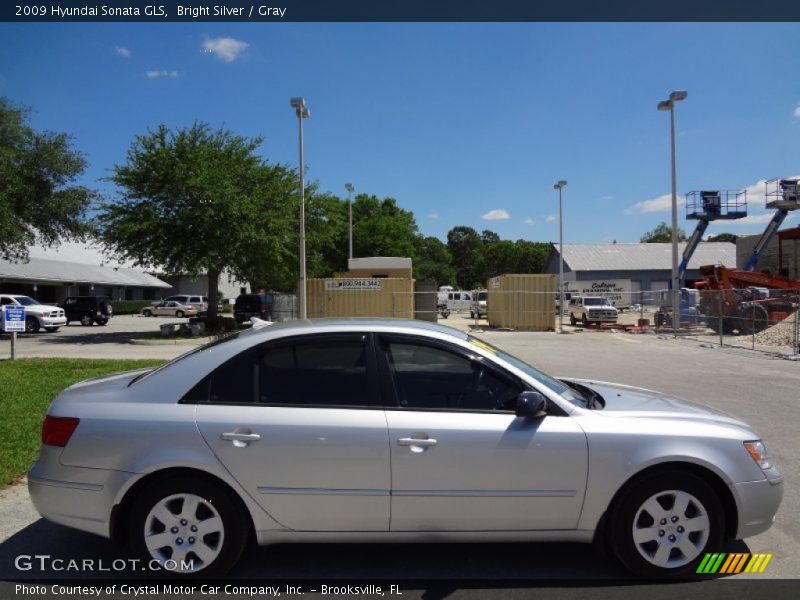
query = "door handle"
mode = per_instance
[
  {"x": 416, "y": 442},
  {"x": 236, "y": 436}
]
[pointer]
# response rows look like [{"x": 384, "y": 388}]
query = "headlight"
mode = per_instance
[{"x": 758, "y": 452}]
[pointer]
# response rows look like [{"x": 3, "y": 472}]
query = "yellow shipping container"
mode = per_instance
[
  {"x": 367, "y": 297},
  {"x": 523, "y": 302}
]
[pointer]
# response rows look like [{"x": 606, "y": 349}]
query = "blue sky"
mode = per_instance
[{"x": 461, "y": 123}]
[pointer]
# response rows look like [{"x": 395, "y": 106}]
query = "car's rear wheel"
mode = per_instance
[
  {"x": 179, "y": 314},
  {"x": 102, "y": 321},
  {"x": 147, "y": 313},
  {"x": 32, "y": 324},
  {"x": 190, "y": 527},
  {"x": 663, "y": 525},
  {"x": 572, "y": 320},
  {"x": 584, "y": 320}
]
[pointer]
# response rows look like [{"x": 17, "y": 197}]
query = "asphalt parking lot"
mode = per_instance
[
  {"x": 125, "y": 336},
  {"x": 761, "y": 389}
]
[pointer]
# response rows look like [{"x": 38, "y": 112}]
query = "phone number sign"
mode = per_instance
[
  {"x": 13, "y": 318},
  {"x": 338, "y": 285}
]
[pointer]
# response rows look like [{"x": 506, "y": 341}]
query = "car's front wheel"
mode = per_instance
[
  {"x": 86, "y": 320},
  {"x": 179, "y": 314},
  {"x": 663, "y": 525},
  {"x": 32, "y": 324},
  {"x": 189, "y": 527}
]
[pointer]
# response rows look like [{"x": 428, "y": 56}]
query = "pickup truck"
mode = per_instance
[{"x": 591, "y": 309}]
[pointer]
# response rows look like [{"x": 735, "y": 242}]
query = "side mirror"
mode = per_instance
[{"x": 531, "y": 405}]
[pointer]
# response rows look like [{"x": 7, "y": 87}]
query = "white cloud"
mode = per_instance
[
  {"x": 123, "y": 52},
  {"x": 498, "y": 214},
  {"x": 529, "y": 221},
  {"x": 550, "y": 218},
  {"x": 225, "y": 48},
  {"x": 660, "y": 204},
  {"x": 797, "y": 111},
  {"x": 154, "y": 74},
  {"x": 432, "y": 215}
]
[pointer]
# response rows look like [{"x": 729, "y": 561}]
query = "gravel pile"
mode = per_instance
[{"x": 780, "y": 334}]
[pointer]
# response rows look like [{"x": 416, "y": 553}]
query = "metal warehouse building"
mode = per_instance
[
  {"x": 648, "y": 266},
  {"x": 73, "y": 268}
]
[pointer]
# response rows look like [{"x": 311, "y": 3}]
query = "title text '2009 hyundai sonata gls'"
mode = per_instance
[{"x": 385, "y": 430}]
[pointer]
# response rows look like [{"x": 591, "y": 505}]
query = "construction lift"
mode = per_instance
[
  {"x": 702, "y": 206},
  {"x": 741, "y": 299}
]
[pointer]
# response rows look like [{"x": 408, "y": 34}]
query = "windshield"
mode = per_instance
[
  {"x": 26, "y": 300},
  {"x": 567, "y": 393},
  {"x": 595, "y": 302},
  {"x": 481, "y": 295}
]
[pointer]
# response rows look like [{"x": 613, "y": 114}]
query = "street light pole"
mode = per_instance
[
  {"x": 302, "y": 112},
  {"x": 350, "y": 189},
  {"x": 669, "y": 105},
  {"x": 559, "y": 186}
]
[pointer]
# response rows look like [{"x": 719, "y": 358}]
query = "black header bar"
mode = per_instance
[{"x": 243, "y": 11}]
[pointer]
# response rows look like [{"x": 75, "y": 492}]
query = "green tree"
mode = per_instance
[
  {"x": 39, "y": 200},
  {"x": 326, "y": 235},
  {"x": 466, "y": 247},
  {"x": 432, "y": 261},
  {"x": 200, "y": 201},
  {"x": 662, "y": 233},
  {"x": 489, "y": 237},
  {"x": 381, "y": 228},
  {"x": 722, "y": 237}
]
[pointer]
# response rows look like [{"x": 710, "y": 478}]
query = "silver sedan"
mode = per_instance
[{"x": 384, "y": 430}]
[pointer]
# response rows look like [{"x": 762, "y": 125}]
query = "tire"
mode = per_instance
[
  {"x": 649, "y": 504},
  {"x": 752, "y": 319},
  {"x": 584, "y": 320},
  {"x": 102, "y": 321},
  {"x": 32, "y": 324},
  {"x": 147, "y": 313},
  {"x": 572, "y": 320},
  {"x": 215, "y": 509},
  {"x": 179, "y": 314},
  {"x": 471, "y": 315},
  {"x": 86, "y": 320},
  {"x": 51, "y": 329}
]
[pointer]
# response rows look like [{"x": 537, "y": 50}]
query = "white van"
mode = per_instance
[
  {"x": 456, "y": 301},
  {"x": 478, "y": 304}
]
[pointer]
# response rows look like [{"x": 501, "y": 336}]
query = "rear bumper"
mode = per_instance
[
  {"x": 758, "y": 502},
  {"x": 74, "y": 496}
]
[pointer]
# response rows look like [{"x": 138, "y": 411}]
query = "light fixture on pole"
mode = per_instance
[
  {"x": 350, "y": 189},
  {"x": 559, "y": 186},
  {"x": 675, "y": 295},
  {"x": 302, "y": 112}
]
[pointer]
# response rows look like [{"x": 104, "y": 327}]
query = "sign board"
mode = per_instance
[
  {"x": 13, "y": 318},
  {"x": 338, "y": 285},
  {"x": 617, "y": 291},
  {"x": 494, "y": 282}
]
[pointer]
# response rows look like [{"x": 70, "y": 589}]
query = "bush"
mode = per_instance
[{"x": 129, "y": 307}]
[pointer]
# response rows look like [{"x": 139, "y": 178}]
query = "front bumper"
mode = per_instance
[
  {"x": 74, "y": 496},
  {"x": 53, "y": 321},
  {"x": 758, "y": 502}
]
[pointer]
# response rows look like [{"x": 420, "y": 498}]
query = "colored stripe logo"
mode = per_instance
[{"x": 731, "y": 564}]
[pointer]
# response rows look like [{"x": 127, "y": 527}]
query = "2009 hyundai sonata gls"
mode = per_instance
[{"x": 392, "y": 430}]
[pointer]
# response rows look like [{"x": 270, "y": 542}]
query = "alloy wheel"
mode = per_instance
[{"x": 670, "y": 529}]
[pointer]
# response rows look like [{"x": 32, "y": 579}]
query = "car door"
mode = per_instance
[
  {"x": 461, "y": 459},
  {"x": 299, "y": 424}
]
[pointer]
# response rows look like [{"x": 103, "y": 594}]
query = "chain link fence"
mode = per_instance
[{"x": 756, "y": 319}]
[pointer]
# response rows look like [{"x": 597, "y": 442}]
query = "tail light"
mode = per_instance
[{"x": 56, "y": 431}]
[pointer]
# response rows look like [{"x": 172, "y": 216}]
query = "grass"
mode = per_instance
[{"x": 27, "y": 387}]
